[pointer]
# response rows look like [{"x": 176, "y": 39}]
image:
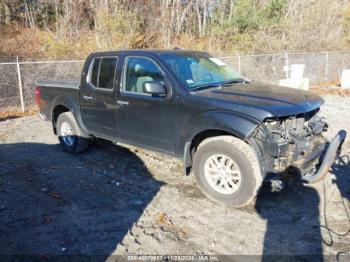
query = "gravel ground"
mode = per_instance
[{"x": 116, "y": 199}]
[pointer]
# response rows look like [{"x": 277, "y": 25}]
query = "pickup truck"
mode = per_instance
[{"x": 232, "y": 134}]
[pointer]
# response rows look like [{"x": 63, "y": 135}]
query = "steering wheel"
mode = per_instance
[{"x": 207, "y": 77}]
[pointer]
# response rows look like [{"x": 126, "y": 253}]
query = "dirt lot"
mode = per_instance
[{"x": 115, "y": 200}]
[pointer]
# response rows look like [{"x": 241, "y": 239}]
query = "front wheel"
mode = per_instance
[
  {"x": 69, "y": 134},
  {"x": 227, "y": 171}
]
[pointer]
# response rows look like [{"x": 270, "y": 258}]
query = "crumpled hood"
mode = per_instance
[{"x": 274, "y": 101}]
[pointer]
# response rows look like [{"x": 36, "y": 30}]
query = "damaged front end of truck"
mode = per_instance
[{"x": 296, "y": 144}]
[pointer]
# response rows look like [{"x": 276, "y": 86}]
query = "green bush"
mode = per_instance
[
  {"x": 115, "y": 30},
  {"x": 248, "y": 18},
  {"x": 251, "y": 15}
]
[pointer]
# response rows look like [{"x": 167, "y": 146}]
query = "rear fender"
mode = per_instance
[{"x": 73, "y": 107}]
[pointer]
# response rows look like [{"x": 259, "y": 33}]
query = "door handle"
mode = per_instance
[
  {"x": 122, "y": 103},
  {"x": 87, "y": 98}
]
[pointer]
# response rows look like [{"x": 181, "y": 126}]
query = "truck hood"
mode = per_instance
[{"x": 261, "y": 100}]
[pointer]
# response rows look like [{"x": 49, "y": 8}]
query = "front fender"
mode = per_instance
[{"x": 234, "y": 123}]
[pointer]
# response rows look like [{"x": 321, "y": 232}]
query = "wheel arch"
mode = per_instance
[
  {"x": 211, "y": 124},
  {"x": 66, "y": 104},
  {"x": 58, "y": 109}
]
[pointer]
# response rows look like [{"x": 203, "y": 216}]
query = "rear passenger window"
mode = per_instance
[
  {"x": 107, "y": 73},
  {"x": 103, "y": 72},
  {"x": 94, "y": 73}
]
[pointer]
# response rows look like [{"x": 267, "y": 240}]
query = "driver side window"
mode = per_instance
[{"x": 139, "y": 70}]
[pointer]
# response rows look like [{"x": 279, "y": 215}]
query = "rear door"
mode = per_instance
[
  {"x": 97, "y": 97},
  {"x": 144, "y": 119}
]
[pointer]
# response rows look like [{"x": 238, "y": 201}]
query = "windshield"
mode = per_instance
[{"x": 197, "y": 70}]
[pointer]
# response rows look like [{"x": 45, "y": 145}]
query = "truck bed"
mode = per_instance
[{"x": 53, "y": 92}]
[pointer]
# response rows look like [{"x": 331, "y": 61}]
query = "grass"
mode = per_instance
[
  {"x": 331, "y": 88},
  {"x": 12, "y": 113}
]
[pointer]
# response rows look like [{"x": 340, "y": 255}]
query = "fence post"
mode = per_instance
[
  {"x": 287, "y": 65},
  {"x": 327, "y": 66},
  {"x": 20, "y": 85},
  {"x": 274, "y": 70},
  {"x": 239, "y": 62}
]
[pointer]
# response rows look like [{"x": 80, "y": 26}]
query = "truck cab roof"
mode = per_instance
[{"x": 148, "y": 52}]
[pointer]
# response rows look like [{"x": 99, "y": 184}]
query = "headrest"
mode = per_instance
[{"x": 139, "y": 69}]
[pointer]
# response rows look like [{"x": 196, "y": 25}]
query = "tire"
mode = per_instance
[
  {"x": 243, "y": 180},
  {"x": 72, "y": 140}
]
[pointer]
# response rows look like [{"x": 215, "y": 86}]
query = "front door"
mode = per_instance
[
  {"x": 144, "y": 119},
  {"x": 97, "y": 98}
]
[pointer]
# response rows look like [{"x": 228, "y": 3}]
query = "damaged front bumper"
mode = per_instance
[
  {"x": 296, "y": 145},
  {"x": 326, "y": 159}
]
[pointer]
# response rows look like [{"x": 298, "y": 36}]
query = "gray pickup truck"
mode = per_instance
[{"x": 230, "y": 132}]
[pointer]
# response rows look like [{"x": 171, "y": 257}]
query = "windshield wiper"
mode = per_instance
[
  {"x": 234, "y": 81},
  {"x": 207, "y": 86},
  {"x": 221, "y": 84}
]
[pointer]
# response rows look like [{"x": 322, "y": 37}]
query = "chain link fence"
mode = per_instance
[
  {"x": 324, "y": 67},
  {"x": 17, "y": 81},
  {"x": 56, "y": 70},
  {"x": 9, "y": 90},
  {"x": 18, "y": 77}
]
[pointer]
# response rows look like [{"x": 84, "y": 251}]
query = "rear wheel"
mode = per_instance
[
  {"x": 227, "y": 171},
  {"x": 69, "y": 134}
]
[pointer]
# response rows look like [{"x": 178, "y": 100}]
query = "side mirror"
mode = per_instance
[{"x": 155, "y": 88}]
